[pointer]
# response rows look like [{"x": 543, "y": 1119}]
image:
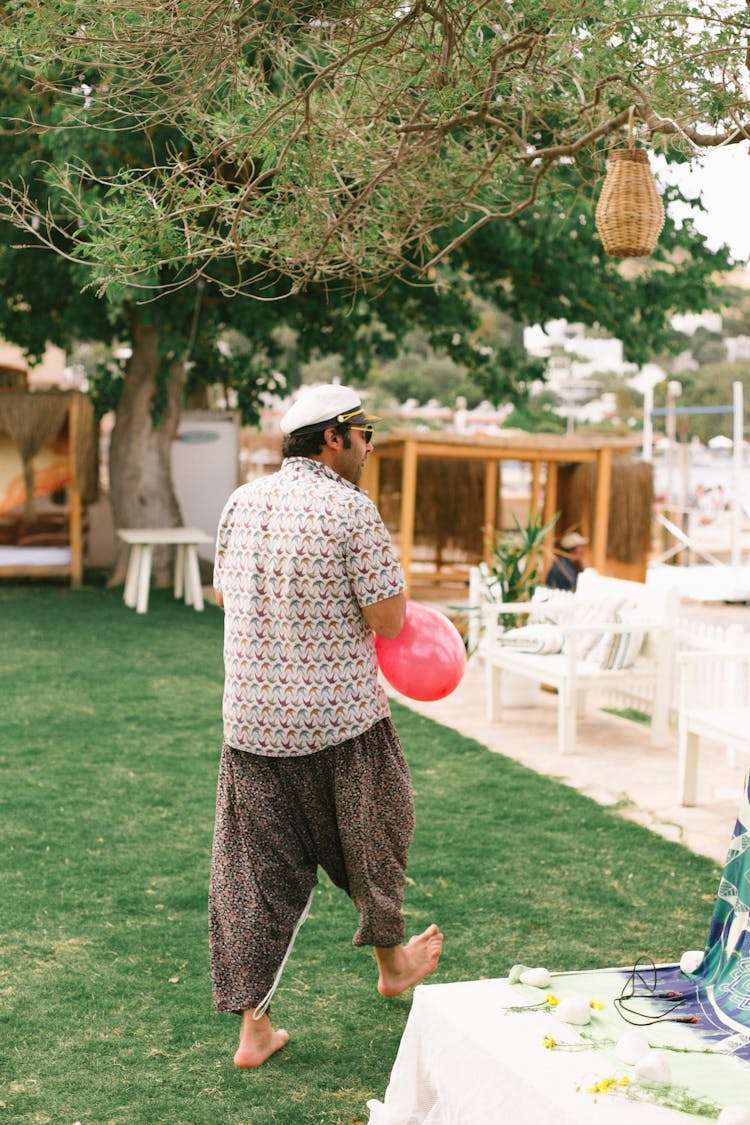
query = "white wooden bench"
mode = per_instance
[
  {"x": 583, "y": 619},
  {"x": 714, "y": 703}
]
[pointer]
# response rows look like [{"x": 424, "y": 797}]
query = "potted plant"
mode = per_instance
[
  {"x": 515, "y": 569},
  {"x": 513, "y": 573}
]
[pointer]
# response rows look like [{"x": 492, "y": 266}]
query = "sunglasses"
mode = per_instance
[{"x": 366, "y": 431}]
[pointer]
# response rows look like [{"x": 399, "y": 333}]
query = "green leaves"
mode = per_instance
[
  {"x": 321, "y": 143},
  {"x": 517, "y": 557}
]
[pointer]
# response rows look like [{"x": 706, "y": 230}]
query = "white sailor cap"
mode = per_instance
[{"x": 326, "y": 405}]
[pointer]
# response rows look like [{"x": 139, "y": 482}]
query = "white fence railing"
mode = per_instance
[{"x": 713, "y": 681}]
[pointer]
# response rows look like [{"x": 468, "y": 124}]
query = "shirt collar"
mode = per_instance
[{"x": 307, "y": 464}]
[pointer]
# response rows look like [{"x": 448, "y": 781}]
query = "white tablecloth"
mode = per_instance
[{"x": 463, "y": 1060}]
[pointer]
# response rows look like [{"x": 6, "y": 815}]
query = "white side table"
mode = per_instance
[{"x": 187, "y": 580}]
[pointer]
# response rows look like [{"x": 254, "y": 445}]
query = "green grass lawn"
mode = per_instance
[{"x": 109, "y": 743}]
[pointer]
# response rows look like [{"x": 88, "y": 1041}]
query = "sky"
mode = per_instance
[{"x": 722, "y": 177}]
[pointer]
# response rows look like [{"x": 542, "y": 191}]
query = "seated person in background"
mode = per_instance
[{"x": 563, "y": 574}]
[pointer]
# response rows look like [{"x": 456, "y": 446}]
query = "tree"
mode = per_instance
[
  {"x": 307, "y": 155},
  {"x": 708, "y": 347},
  {"x": 735, "y": 311},
  {"x": 295, "y": 142},
  {"x": 537, "y": 416}
]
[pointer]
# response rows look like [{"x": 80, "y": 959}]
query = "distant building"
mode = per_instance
[
  {"x": 598, "y": 410},
  {"x": 588, "y": 354},
  {"x": 685, "y": 361},
  {"x": 689, "y": 323},
  {"x": 738, "y": 347}
]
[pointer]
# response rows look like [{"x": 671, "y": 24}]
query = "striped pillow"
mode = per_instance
[{"x": 621, "y": 650}]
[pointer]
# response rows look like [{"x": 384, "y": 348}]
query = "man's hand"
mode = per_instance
[{"x": 387, "y": 617}]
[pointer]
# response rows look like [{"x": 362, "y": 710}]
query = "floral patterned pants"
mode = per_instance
[{"x": 348, "y": 808}]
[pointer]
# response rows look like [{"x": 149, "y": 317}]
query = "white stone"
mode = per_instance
[
  {"x": 538, "y": 978},
  {"x": 691, "y": 961},
  {"x": 574, "y": 1009},
  {"x": 632, "y": 1046},
  {"x": 734, "y": 1115},
  {"x": 653, "y": 1069}
]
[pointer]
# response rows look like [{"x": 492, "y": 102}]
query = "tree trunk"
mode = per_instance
[{"x": 140, "y": 456}]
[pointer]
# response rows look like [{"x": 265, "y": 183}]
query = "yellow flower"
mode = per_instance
[
  {"x": 551, "y": 1000},
  {"x": 596, "y": 1005},
  {"x": 624, "y": 1081},
  {"x": 604, "y": 1086},
  {"x": 549, "y": 1041}
]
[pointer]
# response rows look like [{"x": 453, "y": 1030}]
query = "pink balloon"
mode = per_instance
[{"x": 427, "y": 659}]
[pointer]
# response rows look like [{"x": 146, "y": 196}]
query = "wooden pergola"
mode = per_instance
[{"x": 540, "y": 451}]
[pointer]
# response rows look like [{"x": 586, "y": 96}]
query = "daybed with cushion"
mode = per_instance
[
  {"x": 41, "y": 548},
  {"x": 37, "y": 539}
]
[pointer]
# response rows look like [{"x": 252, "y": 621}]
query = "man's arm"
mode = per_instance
[
  {"x": 387, "y": 617},
  {"x": 222, "y": 542}
]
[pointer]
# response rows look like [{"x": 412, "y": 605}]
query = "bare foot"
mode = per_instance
[
  {"x": 258, "y": 1040},
  {"x": 402, "y": 966}
]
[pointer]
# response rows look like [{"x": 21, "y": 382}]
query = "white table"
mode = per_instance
[
  {"x": 463, "y": 1060},
  {"x": 187, "y": 580}
]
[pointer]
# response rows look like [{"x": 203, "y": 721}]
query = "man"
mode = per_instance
[
  {"x": 563, "y": 574},
  {"x": 312, "y": 772}
]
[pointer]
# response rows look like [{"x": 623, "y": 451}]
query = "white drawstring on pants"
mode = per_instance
[{"x": 260, "y": 1011}]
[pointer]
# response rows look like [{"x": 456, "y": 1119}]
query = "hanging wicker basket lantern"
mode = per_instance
[{"x": 630, "y": 212}]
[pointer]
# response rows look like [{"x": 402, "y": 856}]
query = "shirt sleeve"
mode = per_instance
[
  {"x": 226, "y": 523},
  {"x": 372, "y": 564}
]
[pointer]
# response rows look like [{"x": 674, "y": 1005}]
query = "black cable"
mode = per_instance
[{"x": 638, "y": 1018}]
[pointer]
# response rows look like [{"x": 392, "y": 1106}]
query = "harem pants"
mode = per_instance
[{"x": 348, "y": 808}]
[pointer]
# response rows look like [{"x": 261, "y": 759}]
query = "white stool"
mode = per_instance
[{"x": 187, "y": 580}]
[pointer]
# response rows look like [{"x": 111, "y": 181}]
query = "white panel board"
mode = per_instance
[{"x": 205, "y": 469}]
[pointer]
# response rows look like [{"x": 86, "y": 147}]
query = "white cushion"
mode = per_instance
[
  {"x": 533, "y": 638},
  {"x": 575, "y": 612},
  {"x": 621, "y": 650}
]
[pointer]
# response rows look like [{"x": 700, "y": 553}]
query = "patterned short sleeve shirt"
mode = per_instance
[{"x": 298, "y": 554}]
